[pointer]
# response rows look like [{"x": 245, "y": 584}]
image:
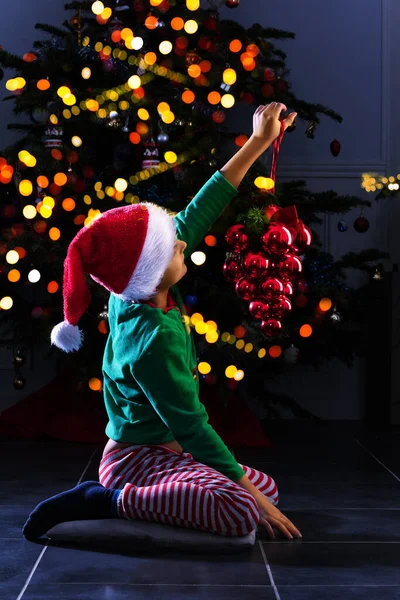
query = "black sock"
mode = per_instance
[{"x": 89, "y": 500}]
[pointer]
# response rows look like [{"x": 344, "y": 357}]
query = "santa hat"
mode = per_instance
[{"x": 126, "y": 250}]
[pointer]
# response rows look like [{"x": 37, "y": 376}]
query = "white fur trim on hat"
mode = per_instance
[
  {"x": 157, "y": 253},
  {"x": 67, "y": 337}
]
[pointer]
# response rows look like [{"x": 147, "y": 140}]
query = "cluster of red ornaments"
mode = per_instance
[{"x": 264, "y": 276}]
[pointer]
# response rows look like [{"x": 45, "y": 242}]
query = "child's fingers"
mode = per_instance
[
  {"x": 277, "y": 109},
  {"x": 259, "y": 109},
  {"x": 289, "y": 120}
]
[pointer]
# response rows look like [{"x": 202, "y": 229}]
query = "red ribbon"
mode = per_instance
[{"x": 277, "y": 147}]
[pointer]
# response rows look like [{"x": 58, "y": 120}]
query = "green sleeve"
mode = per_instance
[
  {"x": 194, "y": 222},
  {"x": 165, "y": 378}
]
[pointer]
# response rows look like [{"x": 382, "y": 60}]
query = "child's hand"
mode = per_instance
[
  {"x": 271, "y": 516},
  {"x": 266, "y": 123}
]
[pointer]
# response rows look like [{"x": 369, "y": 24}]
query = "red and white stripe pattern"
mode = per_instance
[{"x": 161, "y": 485}]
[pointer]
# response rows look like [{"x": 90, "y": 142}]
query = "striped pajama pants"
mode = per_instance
[{"x": 161, "y": 485}]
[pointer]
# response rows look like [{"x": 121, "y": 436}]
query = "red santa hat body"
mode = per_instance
[{"x": 126, "y": 250}]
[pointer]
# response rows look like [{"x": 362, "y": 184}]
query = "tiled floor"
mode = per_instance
[{"x": 338, "y": 483}]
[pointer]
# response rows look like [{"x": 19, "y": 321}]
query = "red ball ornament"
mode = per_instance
[
  {"x": 237, "y": 238},
  {"x": 271, "y": 286},
  {"x": 269, "y": 74},
  {"x": 259, "y": 309},
  {"x": 289, "y": 266},
  {"x": 282, "y": 306},
  {"x": 218, "y": 116},
  {"x": 278, "y": 239},
  {"x": 335, "y": 147},
  {"x": 271, "y": 327},
  {"x": 232, "y": 3},
  {"x": 303, "y": 240},
  {"x": 288, "y": 289},
  {"x": 361, "y": 225},
  {"x": 232, "y": 269},
  {"x": 245, "y": 289},
  {"x": 256, "y": 264}
]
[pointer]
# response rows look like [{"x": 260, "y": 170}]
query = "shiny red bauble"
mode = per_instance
[
  {"x": 282, "y": 305},
  {"x": 237, "y": 238},
  {"x": 288, "y": 289},
  {"x": 259, "y": 309},
  {"x": 271, "y": 327},
  {"x": 303, "y": 240},
  {"x": 246, "y": 289},
  {"x": 278, "y": 239},
  {"x": 271, "y": 286},
  {"x": 256, "y": 264},
  {"x": 289, "y": 266},
  {"x": 232, "y": 269}
]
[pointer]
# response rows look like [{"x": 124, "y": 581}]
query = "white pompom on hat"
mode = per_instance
[{"x": 126, "y": 250}]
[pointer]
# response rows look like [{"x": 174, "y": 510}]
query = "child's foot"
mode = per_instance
[{"x": 89, "y": 500}]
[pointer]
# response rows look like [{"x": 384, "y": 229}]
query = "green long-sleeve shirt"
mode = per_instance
[{"x": 151, "y": 387}]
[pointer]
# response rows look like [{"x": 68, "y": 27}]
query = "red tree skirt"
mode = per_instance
[{"x": 61, "y": 412}]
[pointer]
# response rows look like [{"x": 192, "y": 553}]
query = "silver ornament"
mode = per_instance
[{"x": 163, "y": 137}]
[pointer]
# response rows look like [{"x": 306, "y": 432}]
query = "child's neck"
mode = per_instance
[{"x": 160, "y": 299}]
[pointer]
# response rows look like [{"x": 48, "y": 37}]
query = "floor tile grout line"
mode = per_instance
[
  {"x": 273, "y": 585},
  {"x": 377, "y": 459},
  {"x": 35, "y": 566}
]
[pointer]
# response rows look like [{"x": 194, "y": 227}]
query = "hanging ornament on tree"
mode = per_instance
[
  {"x": 19, "y": 382},
  {"x": 232, "y": 3},
  {"x": 310, "y": 131},
  {"x": 19, "y": 359},
  {"x": 291, "y": 355},
  {"x": 150, "y": 154},
  {"x": 271, "y": 327},
  {"x": 263, "y": 277},
  {"x": 342, "y": 226},
  {"x": 232, "y": 269},
  {"x": 75, "y": 21},
  {"x": 246, "y": 289},
  {"x": 335, "y": 147},
  {"x": 53, "y": 136},
  {"x": 237, "y": 238},
  {"x": 361, "y": 225},
  {"x": 162, "y": 137}
]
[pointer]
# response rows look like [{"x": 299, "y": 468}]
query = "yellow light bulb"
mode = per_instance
[
  {"x": 134, "y": 82},
  {"x": 231, "y": 371},
  {"x": 229, "y": 76},
  {"x": 86, "y": 73},
  {"x": 63, "y": 91},
  {"x": 121, "y": 185},
  {"x": 238, "y": 376},
  {"x": 25, "y": 187},
  {"x": 29, "y": 211},
  {"x": 12, "y": 257},
  {"x": 192, "y": 4},
  {"x": 76, "y": 141},
  {"x": 191, "y": 26},
  {"x": 170, "y": 157},
  {"x": 227, "y": 100},
  {"x": 97, "y": 7},
  {"x": 165, "y": 47},
  {"x": 199, "y": 258},
  {"x": 6, "y": 303},
  {"x": 204, "y": 368}
]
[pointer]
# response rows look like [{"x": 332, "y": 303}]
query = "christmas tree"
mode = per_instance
[{"x": 132, "y": 101}]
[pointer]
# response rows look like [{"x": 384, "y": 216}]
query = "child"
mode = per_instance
[{"x": 151, "y": 388}]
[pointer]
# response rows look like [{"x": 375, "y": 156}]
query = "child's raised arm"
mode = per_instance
[
  {"x": 266, "y": 128},
  {"x": 195, "y": 220}
]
